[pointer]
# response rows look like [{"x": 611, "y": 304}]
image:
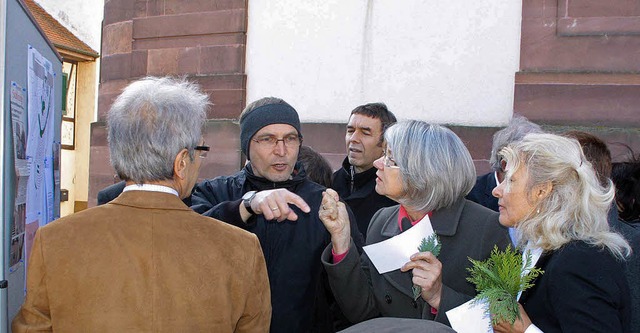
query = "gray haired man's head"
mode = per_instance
[
  {"x": 150, "y": 123},
  {"x": 518, "y": 127}
]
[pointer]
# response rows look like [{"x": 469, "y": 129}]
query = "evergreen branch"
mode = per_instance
[
  {"x": 498, "y": 281},
  {"x": 428, "y": 244}
]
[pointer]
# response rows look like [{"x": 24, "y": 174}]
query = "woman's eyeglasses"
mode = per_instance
[{"x": 388, "y": 161}]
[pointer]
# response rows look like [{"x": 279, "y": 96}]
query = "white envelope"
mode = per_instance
[
  {"x": 394, "y": 252},
  {"x": 470, "y": 318}
]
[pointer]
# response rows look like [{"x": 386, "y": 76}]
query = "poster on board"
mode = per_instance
[
  {"x": 19, "y": 124},
  {"x": 40, "y": 113}
]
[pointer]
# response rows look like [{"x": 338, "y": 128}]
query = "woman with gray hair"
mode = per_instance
[
  {"x": 428, "y": 171},
  {"x": 552, "y": 195}
]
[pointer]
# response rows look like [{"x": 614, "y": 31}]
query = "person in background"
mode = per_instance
[
  {"x": 426, "y": 169},
  {"x": 316, "y": 166},
  {"x": 110, "y": 192},
  {"x": 273, "y": 198},
  {"x": 518, "y": 127},
  {"x": 626, "y": 177},
  {"x": 597, "y": 153},
  {"x": 481, "y": 192},
  {"x": 553, "y": 197},
  {"x": 145, "y": 262},
  {"x": 355, "y": 182}
]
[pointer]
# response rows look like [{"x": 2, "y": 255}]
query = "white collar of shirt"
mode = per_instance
[
  {"x": 151, "y": 188},
  {"x": 535, "y": 253}
]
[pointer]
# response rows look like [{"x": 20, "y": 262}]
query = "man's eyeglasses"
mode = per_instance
[
  {"x": 388, "y": 161},
  {"x": 503, "y": 165},
  {"x": 271, "y": 141},
  {"x": 203, "y": 150}
]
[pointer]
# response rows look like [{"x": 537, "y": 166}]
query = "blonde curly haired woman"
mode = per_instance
[{"x": 554, "y": 199}]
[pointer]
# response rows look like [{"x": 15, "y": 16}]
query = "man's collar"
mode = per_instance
[
  {"x": 151, "y": 188},
  {"x": 150, "y": 199},
  {"x": 367, "y": 174}
]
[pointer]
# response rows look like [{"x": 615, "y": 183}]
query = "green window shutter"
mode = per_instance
[{"x": 65, "y": 79}]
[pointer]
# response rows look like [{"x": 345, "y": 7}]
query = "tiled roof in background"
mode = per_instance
[{"x": 60, "y": 36}]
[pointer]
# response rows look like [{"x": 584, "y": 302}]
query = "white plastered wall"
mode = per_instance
[
  {"x": 82, "y": 17},
  {"x": 449, "y": 62}
]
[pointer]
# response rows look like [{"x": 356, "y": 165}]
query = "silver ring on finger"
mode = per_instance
[{"x": 274, "y": 208}]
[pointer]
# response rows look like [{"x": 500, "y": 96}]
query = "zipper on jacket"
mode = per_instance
[{"x": 352, "y": 181}]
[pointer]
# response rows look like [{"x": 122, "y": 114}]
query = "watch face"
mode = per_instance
[{"x": 248, "y": 195}]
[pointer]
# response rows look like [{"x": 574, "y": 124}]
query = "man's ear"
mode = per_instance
[{"x": 180, "y": 164}]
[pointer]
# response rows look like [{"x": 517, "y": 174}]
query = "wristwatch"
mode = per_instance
[{"x": 246, "y": 201}]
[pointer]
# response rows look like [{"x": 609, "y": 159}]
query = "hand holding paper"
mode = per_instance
[
  {"x": 394, "y": 252},
  {"x": 427, "y": 277},
  {"x": 399, "y": 252}
]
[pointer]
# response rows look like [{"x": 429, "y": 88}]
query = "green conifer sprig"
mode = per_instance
[
  {"x": 498, "y": 281},
  {"x": 428, "y": 244}
]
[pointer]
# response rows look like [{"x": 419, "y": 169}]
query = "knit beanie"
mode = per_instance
[{"x": 263, "y": 116}]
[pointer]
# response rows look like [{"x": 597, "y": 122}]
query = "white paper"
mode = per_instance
[
  {"x": 40, "y": 135},
  {"x": 394, "y": 252},
  {"x": 470, "y": 318}
]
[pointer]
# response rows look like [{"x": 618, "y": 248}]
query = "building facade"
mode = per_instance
[{"x": 467, "y": 65}]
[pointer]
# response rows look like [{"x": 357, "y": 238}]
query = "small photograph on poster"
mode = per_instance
[
  {"x": 16, "y": 250},
  {"x": 19, "y": 127},
  {"x": 20, "y": 140},
  {"x": 19, "y": 217}
]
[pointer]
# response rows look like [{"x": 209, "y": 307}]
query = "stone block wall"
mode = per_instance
[
  {"x": 203, "y": 41},
  {"x": 580, "y": 68}
]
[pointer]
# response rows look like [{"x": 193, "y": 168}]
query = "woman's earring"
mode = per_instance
[{"x": 538, "y": 211}]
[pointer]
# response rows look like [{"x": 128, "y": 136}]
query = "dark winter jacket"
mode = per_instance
[{"x": 291, "y": 249}]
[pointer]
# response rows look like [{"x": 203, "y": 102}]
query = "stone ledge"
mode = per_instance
[
  {"x": 190, "y": 41},
  {"x": 192, "y": 6},
  {"x": 598, "y": 26},
  {"x": 611, "y": 100},
  {"x": 222, "y": 21}
]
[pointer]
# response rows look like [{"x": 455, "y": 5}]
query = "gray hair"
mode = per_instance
[
  {"x": 518, "y": 127},
  {"x": 150, "y": 123},
  {"x": 577, "y": 206},
  {"x": 436, "y": 167}
]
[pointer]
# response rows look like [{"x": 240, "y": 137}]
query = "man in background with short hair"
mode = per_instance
[
  {"x": 518, "y": 127},
  {"x": 355, "y": 181}
]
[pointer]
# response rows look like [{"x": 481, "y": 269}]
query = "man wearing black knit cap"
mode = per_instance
[{"x": 272, "y": 197}]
